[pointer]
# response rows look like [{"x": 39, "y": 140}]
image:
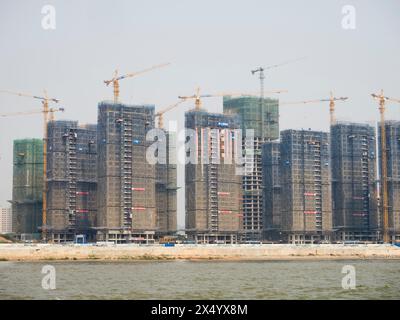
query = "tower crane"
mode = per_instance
[
  {"x": 382, "y": 101},
  {"x": 197, "y": 96},
  {"x": 332, "y": 100},
  {"x": 160, "y": 113},
  {"x": 46, "y": 111},
  {"x": 261, "y": 70},
  {"x": 116, "y": 78},
  {"x": 27, "y": 113}
]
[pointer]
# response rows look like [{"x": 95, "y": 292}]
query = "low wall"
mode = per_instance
[{"x": 21, "y": 252}]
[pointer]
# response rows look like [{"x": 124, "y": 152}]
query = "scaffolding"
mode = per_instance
[
  {"x": 306, "y": 190},
  {"x": 213, "y": 189},
  {"x": 393, "y": 177},
  {"x": 126, "y": 180},
  {"x": 166, "y": 189},
  {"x": 271, "y": 191},
  {"x": 353, "y": 154},
  {"x": 262, "y": 116},
  {"x": 72, "y": 180},
  {"x": 27, "y": 186}
]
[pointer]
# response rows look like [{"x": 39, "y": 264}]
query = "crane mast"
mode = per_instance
[
  {"x": 115, "y": 80},
  {"x": 384, "y": 178},
  {"x": 160, "y": 114},
  {"x": 46, "y": 110}
]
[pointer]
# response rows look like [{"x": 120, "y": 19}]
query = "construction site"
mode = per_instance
[
  {"x": 392, "y": 130},
  {"x": 262, "y": 116},
  {"x": 166, "y": 188},
  {"x": 354, "y": 185},
  {"x": 306, "y": 211},
  {"x": 272, "y": 191},
  {"x": 213, "y": 189},
  {"x": 94, "y": 181},
  {"x": 27, "y": 187},
  {"x": 71, "y": 180},
  {"x": 126, "y": 181}
]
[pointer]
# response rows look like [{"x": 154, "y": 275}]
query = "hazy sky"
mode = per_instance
[{"x": 211, "y": 44}]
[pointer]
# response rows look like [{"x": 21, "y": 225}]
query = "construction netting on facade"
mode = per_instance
[{"x": 27, "y": 185}]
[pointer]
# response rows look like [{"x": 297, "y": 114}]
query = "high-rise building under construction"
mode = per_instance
[
  {"x": 271, "y": 191},
  {"x": 305, "y": 199},
  {"x": 393, "y": 177},
  {"x": 166, "y": 187},
  {"x": 126, "y": 180},
  {"x": 353, "y": 158},
  {"x": 71, "y": 180},
  {"x": 212, "y": 183},
  {"x": 27, "y": 186},
  {"x": 262, "y": 116}
]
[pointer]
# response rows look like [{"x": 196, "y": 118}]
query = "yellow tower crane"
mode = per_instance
[
  {"x": 332, "y": 100},
  {"x": 160, "y": 113},
  {"x": 385, "y": 206},
  {"x": 46, "y": 111},
  {"x": 197, "y": 96},
  {"x": 115, "y": 80},
  {"x": 28, "y": 113}
]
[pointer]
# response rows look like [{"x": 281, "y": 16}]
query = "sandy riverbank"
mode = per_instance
[{"x": 41, "y": 252}]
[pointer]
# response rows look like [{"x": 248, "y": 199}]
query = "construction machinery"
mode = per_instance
[
  {"x": 197, "y": 96},
  {"x": 115, "y": 80},
  {"x": 27, "y": 113},
  {"x": 46, "y": 111},
  {"x": 332, "y": 100},
  {"x": 160, "y": 113},
  {"x": 384, "y": 185},
  {"x": 261, "y": 70}
]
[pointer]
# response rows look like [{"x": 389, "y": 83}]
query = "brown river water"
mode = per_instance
[{"x": 375, "y": 279}]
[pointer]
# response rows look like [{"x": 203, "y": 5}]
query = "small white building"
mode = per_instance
[{"x": 5, "y": 220}]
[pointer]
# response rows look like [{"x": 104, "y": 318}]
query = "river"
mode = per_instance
[{"x": 375, "y": 279}]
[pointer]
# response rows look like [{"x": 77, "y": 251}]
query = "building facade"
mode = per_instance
[
  {"x": 126, "y": 180},
  {"x": 27, "y": 190},
  {"x": 393, "y": 176},
  {"x": 354, "y": 202},
  {"x": 306, "y": 211},
  {"x": 271, "y": 191},
  {"x": 5, "y": 220},
  {"x": 213, "y": 187},
  {"x": 262, "y": 116},
  {"x": 166, "y": 188},
  {"x": 71, "y": 180}
]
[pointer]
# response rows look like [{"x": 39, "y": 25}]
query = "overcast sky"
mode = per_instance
[{"x": 211, "y": 44}]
